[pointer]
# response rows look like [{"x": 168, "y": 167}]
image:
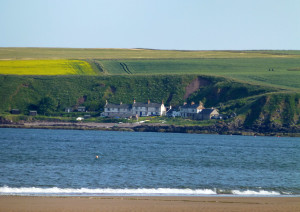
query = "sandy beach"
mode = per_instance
[{"x": 145, "y": 204}]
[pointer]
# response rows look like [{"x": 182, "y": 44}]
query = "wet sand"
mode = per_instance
[{"x": 145, "y": 204}]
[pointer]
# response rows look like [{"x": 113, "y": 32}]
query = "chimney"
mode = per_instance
[
  {"x": 106, "y": 102},
  {"x": 121, "y": 103},
  {"x": 148, "y": 101},
  {"x": 134, "y": 101},
  {"x": 192, "y": 103},
  {"x": 201, "y": 104}
]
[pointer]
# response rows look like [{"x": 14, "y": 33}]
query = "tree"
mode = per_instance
[
  {"x": 93, "y": 105},
  {"x": 47, "y": 105}
]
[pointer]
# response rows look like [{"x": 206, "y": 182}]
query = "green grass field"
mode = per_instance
[
  {"x": 46, "y": 67},
  {"x": 247, "y": 66},
  {"x": 278, "y": 72}
]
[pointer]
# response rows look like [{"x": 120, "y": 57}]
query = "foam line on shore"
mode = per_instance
[{"x": 5, "y": 190}]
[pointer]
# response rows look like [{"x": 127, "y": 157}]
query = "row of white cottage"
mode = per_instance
[{"x": 138, "y": 109}]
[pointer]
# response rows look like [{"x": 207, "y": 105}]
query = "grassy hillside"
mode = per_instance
[
  {"x": 273, "y": 110},
  {"x": 25, "y": 92},
  {"x": 46, "y": 67}
]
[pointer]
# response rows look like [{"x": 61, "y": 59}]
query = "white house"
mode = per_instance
[
  {"x": 136, "y": 109},
  {"x": 115, "y": 110},
  {"x": 148, "y": 109},
  {"x": 191, "y": 111}
]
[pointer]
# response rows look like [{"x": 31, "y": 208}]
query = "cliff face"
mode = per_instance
[
  {"x": 281, "y": 110},
  {"x": 195, "y": 85}
]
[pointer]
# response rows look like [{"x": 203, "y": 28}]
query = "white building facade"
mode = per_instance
[
  {"x": 115, "y": 110},
  {"x": 191, "y": 111},
  {"x": 148, "y": 109},
  {"x": 136, "y": 109}
]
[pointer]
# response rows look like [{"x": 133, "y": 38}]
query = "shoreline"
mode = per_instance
[
  {"x": 147, "y": 203},
  {"x": 142, "y": 127}
]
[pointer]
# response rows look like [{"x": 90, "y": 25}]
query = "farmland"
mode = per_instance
[
  {"x": 73, "y": 53},
  {"x": 278, "y": 72},
  {"x": 46, "y": 67},
  {"x": 280, "y": 69}
]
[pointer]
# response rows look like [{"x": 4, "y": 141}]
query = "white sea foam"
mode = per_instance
[
  {"x": 5, "y": 190},
  {"x": 106, "y": 191},
  {"x": 260, "y": 192}
]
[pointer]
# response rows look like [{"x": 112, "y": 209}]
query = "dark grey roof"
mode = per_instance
[
  {"x": 139, "y": 104},
  {"x": 190, "y": 106},
  {"x": 123, "y": 106}
]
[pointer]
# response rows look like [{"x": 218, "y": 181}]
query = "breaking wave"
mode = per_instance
[{"x": 28, "y": 191}]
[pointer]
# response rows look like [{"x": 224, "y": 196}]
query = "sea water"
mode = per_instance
[{"x": 73, "y": 162}]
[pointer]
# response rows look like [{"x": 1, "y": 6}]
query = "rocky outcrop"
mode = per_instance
[
  {"x": 221, "y": 128},
  {"x": 5, "y": 121}
]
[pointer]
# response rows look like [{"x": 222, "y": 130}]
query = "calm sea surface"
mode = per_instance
[{"x": 63, "y": 162}]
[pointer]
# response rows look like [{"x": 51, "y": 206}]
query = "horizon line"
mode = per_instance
[{"x": 140, "y": 48}]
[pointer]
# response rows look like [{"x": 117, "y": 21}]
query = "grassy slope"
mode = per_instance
[
  {"x": 273, "y": 111},
  {"x": 24, "y": 92}
]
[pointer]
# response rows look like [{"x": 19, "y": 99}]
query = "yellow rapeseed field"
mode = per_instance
[{"x": 46, "y": 67}]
